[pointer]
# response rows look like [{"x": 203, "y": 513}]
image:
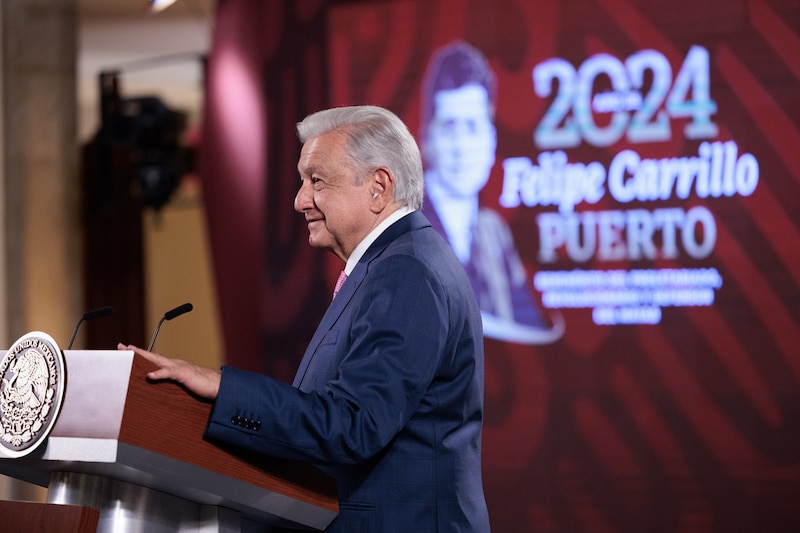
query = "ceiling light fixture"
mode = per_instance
[{"x": 157, "y": 6}]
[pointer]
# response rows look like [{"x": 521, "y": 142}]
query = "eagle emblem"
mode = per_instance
[{"x": 31, "y": 389}]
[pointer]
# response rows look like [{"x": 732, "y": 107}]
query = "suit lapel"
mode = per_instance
[{"x": 412, "y": 221}]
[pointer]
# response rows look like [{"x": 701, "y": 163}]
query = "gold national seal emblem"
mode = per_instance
[{"x": 32, "y": 379}]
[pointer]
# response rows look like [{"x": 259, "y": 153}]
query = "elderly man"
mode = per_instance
[{"x": 388, "y": 398}]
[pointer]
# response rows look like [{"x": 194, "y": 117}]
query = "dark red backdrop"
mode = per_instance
[{"x": 691, "y": 425}]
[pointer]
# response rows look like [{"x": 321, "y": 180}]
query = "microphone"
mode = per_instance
[
  {"x": 90, "y": 315},
  {"x": 169, "y": 315}
]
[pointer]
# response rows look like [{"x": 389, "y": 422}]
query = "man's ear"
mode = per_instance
[{"x": 381, "y": 189}]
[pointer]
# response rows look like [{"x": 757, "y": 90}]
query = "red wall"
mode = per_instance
[{"x": 688, "y": 423}]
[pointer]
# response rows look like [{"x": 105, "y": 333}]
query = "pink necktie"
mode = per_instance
[{"x": 339, "y": 282}]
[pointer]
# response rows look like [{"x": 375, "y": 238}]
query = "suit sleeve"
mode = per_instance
[{"x": 386, "y": 353}]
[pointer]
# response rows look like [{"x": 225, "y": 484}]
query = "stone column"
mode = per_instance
[{"x": 40, "y": 235}]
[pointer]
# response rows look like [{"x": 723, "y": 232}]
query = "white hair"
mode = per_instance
[{"x": 375, "y": 137}]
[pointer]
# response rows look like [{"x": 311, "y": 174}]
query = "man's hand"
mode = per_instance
[{"x": 203, "y": 382}]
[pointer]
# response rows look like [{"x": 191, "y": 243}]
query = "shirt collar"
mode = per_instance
[{"x": 362, "y": 247}]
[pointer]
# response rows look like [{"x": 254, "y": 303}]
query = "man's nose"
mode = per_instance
[{"x": 303, "y": 199}]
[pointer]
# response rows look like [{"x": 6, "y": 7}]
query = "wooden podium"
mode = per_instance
[{"x": 134, "y": 450}]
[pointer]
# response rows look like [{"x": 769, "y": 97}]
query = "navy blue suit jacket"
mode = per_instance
[{"x": 388, "y": 398}]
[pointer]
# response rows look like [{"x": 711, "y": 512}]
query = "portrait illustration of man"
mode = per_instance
[{"x": 458, "y": 141}]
